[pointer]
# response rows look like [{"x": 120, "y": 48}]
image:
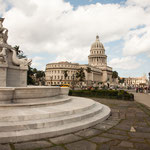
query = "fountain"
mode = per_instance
[{"x": 36, "y": 112}]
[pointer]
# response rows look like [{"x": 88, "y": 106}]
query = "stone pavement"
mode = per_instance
[
  {"x": 128, "y": 128},
  {"x": 142, "y": 98}
]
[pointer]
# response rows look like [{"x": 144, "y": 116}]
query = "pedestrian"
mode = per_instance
[{"x": 137, "y": 89}]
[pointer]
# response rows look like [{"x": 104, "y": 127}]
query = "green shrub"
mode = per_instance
[{"x": 111, "y": 94}]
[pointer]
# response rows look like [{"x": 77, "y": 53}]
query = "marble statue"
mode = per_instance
[
  {"x": 3, "y": 32},
  {"x": 13, "y": 70},
  {"x": 22, "y": 61},
  {"x": 3, "y": 55},
  {"x": 5, "y": 47}
]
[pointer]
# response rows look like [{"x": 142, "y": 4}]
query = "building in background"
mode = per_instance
[
  {"x": 136, "y": 81},
  {"x": 99, "y": 72}
]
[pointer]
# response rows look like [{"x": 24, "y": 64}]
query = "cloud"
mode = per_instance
[
  {"x": 140, "y": 3},
  {"x": 2, "y": 7},
  {"x": 55, "y": 28},
  {"x": 137, "y": 41},
  {"x": 126, "y": 63},
  {"x": 36, "y": 62}
]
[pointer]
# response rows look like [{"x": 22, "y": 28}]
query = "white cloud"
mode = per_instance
[
  {"x": 2, "y": 7},
  {"x": 141, "y": 3},
  {"x": 36, "y": 62},
  {"x": 74, "y": 55},
  {"x": 54, "y": 27},
  {"x": 126, "y": 63},
  {"x": 137, "y": 41}
]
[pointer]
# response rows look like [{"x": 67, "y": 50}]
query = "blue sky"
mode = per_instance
[
  {"x": 77, "y": 3},
  {"x": 52, "y": 31}
]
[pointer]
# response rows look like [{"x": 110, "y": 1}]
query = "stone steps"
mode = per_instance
[
  {"x": 50, "y": 122},
  {"x": 24, "y": 124},
  {"x": 34, "y": 134},
  {"x": 45, "y": 112}
]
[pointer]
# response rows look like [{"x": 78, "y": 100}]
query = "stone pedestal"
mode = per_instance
[
  {"x": 16, "y": 77},
  {"x": 12, "y": 75},
  {"x": 3, "y": 75}
]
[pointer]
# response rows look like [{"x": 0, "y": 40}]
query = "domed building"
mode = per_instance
[
  {"x": 97, "y": 62},
  {"x": 98, "y": 59}
]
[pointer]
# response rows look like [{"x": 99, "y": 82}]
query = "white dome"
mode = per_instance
[{"x": 97, "y": 44}]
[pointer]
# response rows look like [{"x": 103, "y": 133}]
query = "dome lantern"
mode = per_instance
[
  {"x": 97, "y": 38},
  {"x": 97, "y": 57}
]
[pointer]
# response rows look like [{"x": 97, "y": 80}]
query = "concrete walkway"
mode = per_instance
[
  {"x": 128, "y": 128},
  {"x": 142, "y": 98}
]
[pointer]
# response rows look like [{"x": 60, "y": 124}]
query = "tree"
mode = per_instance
[
  {"x": 34, "y": 76},
  {"x": 65, "y": 74},
  {"x": 121, "y": 80},
  {"x": 19, "y": 52},
  {"x": 30, "y": 74},
  {"x": 88, "y": 70},
  {"x": 114, "y": 74},
  {"x": 40, "y": 74},
  {"x": 80, "y": 74}
]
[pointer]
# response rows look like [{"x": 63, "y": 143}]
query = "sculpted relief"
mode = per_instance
[
  {"x": 3, "y": 32},
  {"x": 5, "y": 48}
]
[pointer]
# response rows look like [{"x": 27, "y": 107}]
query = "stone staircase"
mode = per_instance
[{"x": 37, "y": 120}]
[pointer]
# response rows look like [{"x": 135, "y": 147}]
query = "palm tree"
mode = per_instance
[
  {"x": 80, "y": 74},
  {"x": 19, "y": 52}
]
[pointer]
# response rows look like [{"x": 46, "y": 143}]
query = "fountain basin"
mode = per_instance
[{"x": 30, "y": 94}]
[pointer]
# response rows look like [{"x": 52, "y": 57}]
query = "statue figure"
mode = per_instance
[
  {"x": 3, "y": 54},
  {"x": 4, "y": 46},
  {"x": 10, "y": 62},
  {"x": 20, "y": 62},
  {"x": 3, "y": 32}
]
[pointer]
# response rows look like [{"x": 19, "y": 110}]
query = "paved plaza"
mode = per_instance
[
  {"x": 142, "y": 98},
  {"x": 128, "y": 128}
]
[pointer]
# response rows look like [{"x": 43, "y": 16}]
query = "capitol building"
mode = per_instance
[{"x": 97, "y": 62}]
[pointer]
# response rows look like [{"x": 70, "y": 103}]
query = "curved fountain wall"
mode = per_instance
[{"x": 28, "y": 94}]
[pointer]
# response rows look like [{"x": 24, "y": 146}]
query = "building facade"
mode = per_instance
[
  {"x": 99, "y": 71},
  {"x": 136, "y": 81}
]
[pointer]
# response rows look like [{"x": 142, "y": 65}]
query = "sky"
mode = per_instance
[{"x": 63, "y": 30}]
